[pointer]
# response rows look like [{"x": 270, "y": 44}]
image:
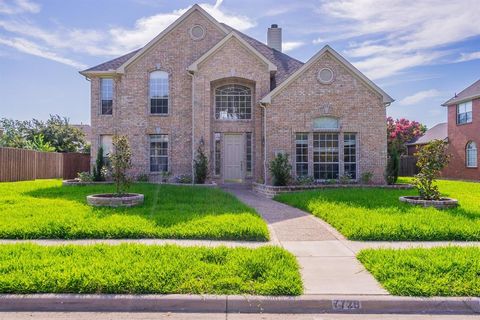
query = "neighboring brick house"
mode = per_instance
[
  {"x": 437, "y": 132},
  {"x": 244, "y": 101},
  {"x": 464, "y": 134}
]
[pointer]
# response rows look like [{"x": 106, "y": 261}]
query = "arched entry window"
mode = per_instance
[
  {"x": 233, "y": 102},
  {"x": 159, "y": 92},
  {"x": 471, "y": 154}
]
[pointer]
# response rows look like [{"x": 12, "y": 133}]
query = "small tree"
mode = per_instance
[
  {"x": 393, "y": 166},
  {"x": 432, "y": 158},
  {"x": 201, "y": 166},
  {"x": 120, "y": 162},
  {"x": 280, "y": 169},
  {"x": 99, "y": 164}
]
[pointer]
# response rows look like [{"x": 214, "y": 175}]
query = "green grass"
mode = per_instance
[
  {"x": 45, "y": 209},
  {"x": 136, "y": 269},
  {"x": 447, "y": 271},
  {"x": 377, "y": 214}
]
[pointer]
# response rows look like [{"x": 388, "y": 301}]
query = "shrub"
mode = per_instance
[
  {"x": 200, "y": 165},
  {"x": 366, "y": 177},
  {"x": 165, "y": 176},
  {"x": 305, "y": 180},
  {"x": 280, "y": 169},
  {"x": 345, "y": 178},
  {"x": 85, "y": 177},
  {"x": 99, "y": 165},
  {"x": 143, "y": 177},
  {"x": 120, "y": 160},
  {"x": 183, "y": 178},
  {"x": 393, "y": 166},
  {"x": 432, "y": 158}
]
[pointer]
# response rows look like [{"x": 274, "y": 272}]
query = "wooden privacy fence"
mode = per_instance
[
  {"x": 21, "y": 164},
  {"x": 408, "y": 166}
]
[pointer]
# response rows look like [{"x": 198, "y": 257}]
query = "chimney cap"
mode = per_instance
[{"x": 274, "y": 25}]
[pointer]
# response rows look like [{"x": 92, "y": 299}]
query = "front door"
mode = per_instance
[{"x": 233, "y": 158}]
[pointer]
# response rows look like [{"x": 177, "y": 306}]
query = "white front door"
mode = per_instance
[{"x": 233, "y": 157}]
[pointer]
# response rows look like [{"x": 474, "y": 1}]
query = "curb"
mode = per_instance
[{"x": 350, "y": 304}]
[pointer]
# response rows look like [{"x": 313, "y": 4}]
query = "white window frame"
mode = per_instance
[
  {"x": 464, "y": 112},
  {"x": 304, "y": 145},
  {"x": 106, "y": 91},
  {"x": 331, "y": 152},
  {"x": 163, "y": 79},
  {"x": 167, "y": 156},
  {"x": 225, "y": 116},
  {"x": 471, "y": 155}
]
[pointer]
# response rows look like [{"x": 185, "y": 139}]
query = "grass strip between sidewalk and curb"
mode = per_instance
[
  {"x": 144, "y": 269},
  {"x": 444, "y": 271}
]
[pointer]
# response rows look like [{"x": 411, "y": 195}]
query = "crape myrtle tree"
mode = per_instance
[{"x": 401, "y": 131}]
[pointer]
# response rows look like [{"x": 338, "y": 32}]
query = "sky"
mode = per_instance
[{"x": 420, "y": 52}]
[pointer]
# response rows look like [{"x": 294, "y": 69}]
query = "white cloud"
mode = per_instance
[
  {"x": 406, "y": 33},
  {"x": 18, "y": 6},
  {"x": 469, "y": 56},
  {"x": 419, "y": 97},
  {"x": 29, "y": 47},
  {"x": 291, "y": 45}
]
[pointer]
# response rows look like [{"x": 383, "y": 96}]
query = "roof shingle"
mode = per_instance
[
  {"x": 437, "y": 132},
  {"x": 470, "y": 92}
]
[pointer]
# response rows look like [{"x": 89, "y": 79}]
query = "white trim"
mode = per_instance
[
  {"x": 452, "y": 101},
  {"x": 149, "y": 45},
  {"x": 194, "y": 66},
  {"x": 386, "y": 98}
]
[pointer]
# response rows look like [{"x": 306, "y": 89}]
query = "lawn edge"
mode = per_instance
[{"x": 350, "y": 304}]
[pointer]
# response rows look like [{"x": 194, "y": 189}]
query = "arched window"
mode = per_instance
[
  {"x": 471, "y": 154},
  {"x": 159, "y": 92},
  {"x": 233, "y": 102}
]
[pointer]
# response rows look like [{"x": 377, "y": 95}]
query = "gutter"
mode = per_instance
[{"x": 192, "y": 74}]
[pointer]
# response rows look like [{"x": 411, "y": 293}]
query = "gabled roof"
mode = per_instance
[
  {"x": 470, "y": 93},
  {"x": 386, "y": 98},
  {"x": 286, "y": 65},
  {"x": 111, "y": 65},
  {"x": 437, "y": 132},
  {"x": 220, "y": 44}
]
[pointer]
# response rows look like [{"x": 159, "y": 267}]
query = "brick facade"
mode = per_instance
[
  {"x": 458, "y": 137},
  {"x": 359, "y": 108}
]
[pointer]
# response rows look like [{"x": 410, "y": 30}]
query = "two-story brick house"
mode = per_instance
[
  {"x": 202, "y": 82},
  {"x": 464, "y": 134}
]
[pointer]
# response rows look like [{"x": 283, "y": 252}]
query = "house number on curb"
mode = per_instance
[{"x": 346, "y": 304}]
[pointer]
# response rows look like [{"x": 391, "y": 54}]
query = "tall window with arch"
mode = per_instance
[
  {"x": 233, "y": 102},
  {"x": 471, "y": 154},
  {"x": 159, "y": 92}
]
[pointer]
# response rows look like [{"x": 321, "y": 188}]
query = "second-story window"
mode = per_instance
[
  {"x": 464, "y": 112},
  {"x": 233, "y": 102},
  {"x": 106, "y": 91},
  {"x": 159, "y": 92}
]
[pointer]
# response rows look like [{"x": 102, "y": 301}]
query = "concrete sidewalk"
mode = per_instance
[{"x": 328, "y": 265}]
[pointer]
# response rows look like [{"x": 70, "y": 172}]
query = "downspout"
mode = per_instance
[
  {"x": 192, "y": 74},
  {"x": 264, "y": 106}
]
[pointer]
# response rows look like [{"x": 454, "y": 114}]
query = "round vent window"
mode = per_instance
[
  {"x": 197, "y": 32},
  {"x": 326, "y": 76}
]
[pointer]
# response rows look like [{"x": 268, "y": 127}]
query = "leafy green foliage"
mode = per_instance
[
  {"x": 56, "y": 132},
  {"x": 366, "y": 177},
  {"x": 39, "y": 144},
  {"x": 99, "y": 164},
  {"x": 401, "y": 131},
  {"x": 447, "y": 271},
  {"x": 120, "y": 162},
  {"x": 85, "y": 177},
  {"x": 377, "y": 214},
  {"x": 393, "y": 166},
  {"x": 135, "y": 269},
  {"x": 45, "y": 209},
  {"x": 280, "y": 169},
  {"x": 200, "y": 164},
  {"x": 432, "y": 158}
]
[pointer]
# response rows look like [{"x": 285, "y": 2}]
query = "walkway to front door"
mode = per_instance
[{"x": 233, "y": 157}]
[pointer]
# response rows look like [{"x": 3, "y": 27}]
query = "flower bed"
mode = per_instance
[
  {"x": 271, "y": 191},
  {"x": 77, "y": 182},
  {"x": 113, "y": 200},
  {"x": 443, "y": 203}
]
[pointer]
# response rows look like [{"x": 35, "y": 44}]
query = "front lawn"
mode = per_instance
[
  {"x": 137, "y": 269},
  {"x": 377, "y": 214},
  {"x": 447, "y": 271},
  {"x": 45, "y": 209}
]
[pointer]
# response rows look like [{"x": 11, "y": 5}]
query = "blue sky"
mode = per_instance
[{"x": 420, "y": 52}]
